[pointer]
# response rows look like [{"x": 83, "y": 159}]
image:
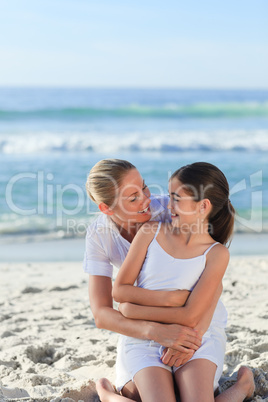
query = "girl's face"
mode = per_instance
[
  {"x": 132, "y": 199},
  {"x": 184, "y": 210}
]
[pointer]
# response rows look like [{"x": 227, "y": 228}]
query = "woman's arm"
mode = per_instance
[
  {"x": 199, "y": 301},
  {"x": 101, "y": 302}
]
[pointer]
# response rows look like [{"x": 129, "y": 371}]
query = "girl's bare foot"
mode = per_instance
[
  {"x": 246, "y": 380},
  {"x": 104, "y": 389}
]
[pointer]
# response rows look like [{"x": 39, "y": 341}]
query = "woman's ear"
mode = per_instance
[{"x": 105, "y": 209}]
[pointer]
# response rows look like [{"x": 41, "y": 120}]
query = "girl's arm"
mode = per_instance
[
  {"x": 98, "y": 265},
  {"x": 123, "y": 289},
  {"x": 171, "y": 356},
  {"x": 199, "y": 301}
]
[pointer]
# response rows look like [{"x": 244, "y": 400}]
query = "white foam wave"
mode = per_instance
[{"x": 171, "y": 141}]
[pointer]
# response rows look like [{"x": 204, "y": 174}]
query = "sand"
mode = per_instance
[{"x": 50, "y": 349}]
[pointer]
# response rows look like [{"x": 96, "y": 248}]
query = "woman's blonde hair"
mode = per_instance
[{"x": 105, "y": 178}]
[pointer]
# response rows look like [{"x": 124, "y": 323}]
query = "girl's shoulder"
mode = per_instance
[
  {"x": 149, "y": 231},
  {"x": 218, "y": 250},
  {"x": 145, "y": 234},
  {"x": 155, "y": 226},
  {"x": 149, "y": 228}
]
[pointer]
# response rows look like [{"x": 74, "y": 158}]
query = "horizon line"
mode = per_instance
[{"x": 110, "y": 87}]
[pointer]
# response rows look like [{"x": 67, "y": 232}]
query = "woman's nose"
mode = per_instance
[
  {"x": 147, "y": 192},
  {"x": 146, "y": 198},
  {"x": 148, "y": 201}
]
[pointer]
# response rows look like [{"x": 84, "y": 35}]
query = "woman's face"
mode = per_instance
[{"x": 132, "y": 199}]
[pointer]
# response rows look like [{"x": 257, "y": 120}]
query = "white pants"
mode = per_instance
[{"x": 135, "y": 354}]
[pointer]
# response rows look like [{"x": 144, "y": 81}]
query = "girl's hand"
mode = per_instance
[
  {"x": 177, "y": 298},
  {"x": 125, "y": 309},
  {"x": 128, "y": 310}
]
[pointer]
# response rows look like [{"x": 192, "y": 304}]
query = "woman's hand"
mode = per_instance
[
  {"x": 173, "y": 357},
  {"x": 175, "y": 336}
]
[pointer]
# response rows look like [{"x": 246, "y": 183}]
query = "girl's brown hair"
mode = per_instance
[
  {"x": 203, "y": 180},
  {"x": 105, "y": 178}
]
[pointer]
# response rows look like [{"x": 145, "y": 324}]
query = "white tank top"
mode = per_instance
[{"x": 161, "y": 271}]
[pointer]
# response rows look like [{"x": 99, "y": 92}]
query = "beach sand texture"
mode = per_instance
[{"x": 50, "y": 349}]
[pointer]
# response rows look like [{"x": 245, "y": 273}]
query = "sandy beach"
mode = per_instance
[{"x": 50, "y": 349}]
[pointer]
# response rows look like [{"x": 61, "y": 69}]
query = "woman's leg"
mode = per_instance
[
  {"x": 155, "y": 384},
  {"x": 107, "y": 393},
  {"x": 195, "y": 381},
  {"x": 130, "y": 391},
  {"x": 243, "y": 388}
]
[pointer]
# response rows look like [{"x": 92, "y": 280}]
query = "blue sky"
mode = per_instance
[{"x": 121, "y": 43}]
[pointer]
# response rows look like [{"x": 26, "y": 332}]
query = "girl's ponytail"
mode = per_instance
[{"x": 221, "y": 224}]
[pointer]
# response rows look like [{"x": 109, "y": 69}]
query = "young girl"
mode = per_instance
[{"x": 188, "y": 254}]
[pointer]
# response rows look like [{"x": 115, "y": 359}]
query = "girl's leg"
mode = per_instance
[
  {"x": 195, "y": 381},
  {"x": 155, "y": 384},
  {"x": 107, "y": 393},
  {"x": 243, "y": 388}
]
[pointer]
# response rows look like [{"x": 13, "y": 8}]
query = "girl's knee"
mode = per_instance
[
  {"x": 195, "y": 381},
  {"x": 155, "y": 384}
]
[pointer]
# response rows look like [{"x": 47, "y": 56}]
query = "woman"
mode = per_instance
[{"x": 124, "y": 200}]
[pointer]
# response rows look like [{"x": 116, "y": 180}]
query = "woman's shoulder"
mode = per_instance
[
  {"x": 101, "y": 233},
  {"x": 97, "y": 219},
  {"x": 100, "y": 225}
]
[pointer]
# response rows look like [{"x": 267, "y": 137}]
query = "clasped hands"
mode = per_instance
[{"x": 184, "y": 349}]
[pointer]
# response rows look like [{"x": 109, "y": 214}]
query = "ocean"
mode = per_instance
[{"x": 50, "y": 139}]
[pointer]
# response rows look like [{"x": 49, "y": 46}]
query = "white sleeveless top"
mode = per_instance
[
  {"x": 161, "y": 271},
  {"x": 106, "y": 248}
]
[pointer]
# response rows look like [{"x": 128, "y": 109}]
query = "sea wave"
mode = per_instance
[
  {"x": 164, "y": 142},
  {"x": 137, "y": 111},
  {"x": 44, "y": 226}
]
